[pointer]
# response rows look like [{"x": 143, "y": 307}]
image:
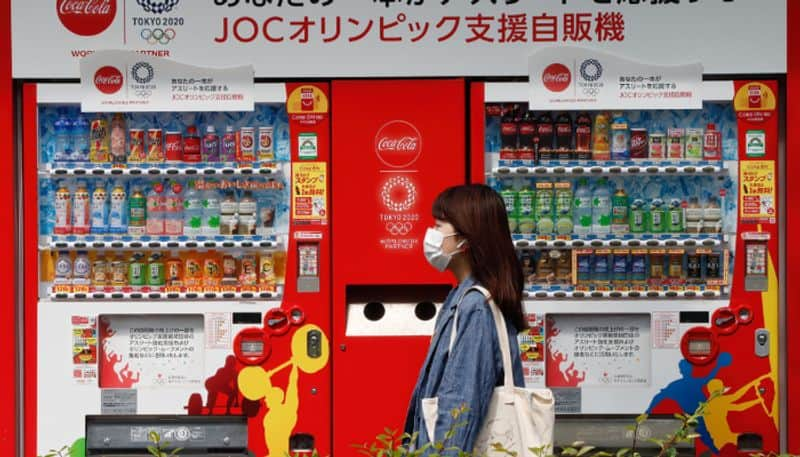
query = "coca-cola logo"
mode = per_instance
[
  {"x": 556, "y": 77},
  {"x": 545, "y": 128},
  {"x": 564, "y": 129},
  {"x": 398, "y": 144},
  {"x": 86, "y": 17},
  {"x": 108, "y": 80},
  {"x": 526, "y": 129},
  {"x": 508, "y": 128}
]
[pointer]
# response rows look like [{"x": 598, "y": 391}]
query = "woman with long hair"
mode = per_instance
[{"x": 471, "y": 239}]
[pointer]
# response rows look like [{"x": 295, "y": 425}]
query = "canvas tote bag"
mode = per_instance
[{"x": 517, "y": 418}]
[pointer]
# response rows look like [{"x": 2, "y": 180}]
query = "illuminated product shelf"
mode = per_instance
[
  {"x": 126, "y": 242},
  {"x": 572, "y": 294},
  {"x": 628, "y": 240},
  {"x": 183, "y": 169},
  {"x": 162, "y": 296},
  {"x": 575, "y": 168}
]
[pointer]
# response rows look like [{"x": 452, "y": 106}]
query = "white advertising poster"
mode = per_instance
[
  {"x": 129, "y": 81},
  {"x": 151, "y": 351},
  {"x": 570, "y": 78},
  {"x": 368, "y": 38},
  {"x": 598, "y": 350}
]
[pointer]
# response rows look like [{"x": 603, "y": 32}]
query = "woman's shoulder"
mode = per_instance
[{"x": 474, "y": 302}]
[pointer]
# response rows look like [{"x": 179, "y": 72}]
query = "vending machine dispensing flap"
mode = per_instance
[
  {"x": 198, "y": 436},
  {"x": 699, "y": 345}
]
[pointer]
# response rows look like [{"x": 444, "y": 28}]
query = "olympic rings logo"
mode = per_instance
[
  {"x": 162, "y": 36},
  {"x": 142, "y": 72},
  {"x": 398, "y": 186},
  {"x": 143, "y": 93},
  {"x": 157, "y": 7},
  {"x": 399, "y": 228},
  {"x": 591, "y": 91}
]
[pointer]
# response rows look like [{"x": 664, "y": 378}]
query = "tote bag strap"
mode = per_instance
[{"x": 502, "y": 334}]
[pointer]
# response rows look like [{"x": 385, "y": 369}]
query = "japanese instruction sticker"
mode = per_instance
[
  {"x": 309, "y": 192},
  {"x": 757, "y": 191}
]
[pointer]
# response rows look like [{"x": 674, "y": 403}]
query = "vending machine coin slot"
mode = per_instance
[
  {"x": 314, "y": 344},
  {"x": 755, "y": 264},
  {"x": 762, "y": 342},
  {"x": 308, "y": 267}
]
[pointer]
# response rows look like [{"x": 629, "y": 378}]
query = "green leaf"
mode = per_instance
[
  {"x": 584, "y": 450},
  {"x": 570, "y": 452},
  {"x": 641, "y": 419},
  {"x": 623, "y": 452},
  {"x": 152, "y": 450},
  {"x": 176, "y": 451},
  {"x": 153, "y": 436},
  {"x": 602, "y": 454}
]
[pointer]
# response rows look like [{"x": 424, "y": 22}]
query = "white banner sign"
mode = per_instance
[
  {"x": 148, "y": 351},
  {"x": 368, "y": 38},
  {"x": 129, "y": 81},
  {"x": 568, "y": 78},
  {"x": 598, "y": 350}
]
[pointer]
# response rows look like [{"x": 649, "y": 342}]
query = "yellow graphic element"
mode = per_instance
[
  {"x": 716, "y": 416},
  {"x": 309, "y": 191},
  {"x": 255, "y": 383},
  {"x": 755, "y": 96},
  {"x": 757, "y": 190},
  {"x": 307, "y": 99}
]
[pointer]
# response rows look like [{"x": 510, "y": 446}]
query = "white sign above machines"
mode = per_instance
[
  {"x": 569, "y": 78},
  {"x": 363, "y": 38},
  {"x": 129, "y": 81}
]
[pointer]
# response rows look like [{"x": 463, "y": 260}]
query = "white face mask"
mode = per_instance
[{"x": 432, "y": 245}]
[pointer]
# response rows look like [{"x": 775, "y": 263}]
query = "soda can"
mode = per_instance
[
  {"x": 174, "y": 146},
  {"x": 676, "y": 143},
  {"x": 246, "y": 151},
  {"x": 694, "y": 144},
  {"x": 100, "y": 141},
  {"x": 265, "y": 139},
  {"x": 155, "y": 145},
  {"x": 136, "y": 153},
  {"x": 191, "y": 146},
  {"x": 657, "y": 146},
  {"x": 639, "y": 144}
]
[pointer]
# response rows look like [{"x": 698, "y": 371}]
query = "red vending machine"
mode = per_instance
[
  {"x": 649, "y": 240},
  {"x": 176, "y": 263},
  {"x": 394, "y": 152}
]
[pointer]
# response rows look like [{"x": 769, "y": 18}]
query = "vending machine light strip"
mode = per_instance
[
  {"x": 157, "y": 170},
  {"x": 531, "y": 241},
  {"x": 163, "y": 296},
  {"x": 575, "y": 294},
  {"x": 159, "y": 242},
  {"x": 709, "y": 168}
]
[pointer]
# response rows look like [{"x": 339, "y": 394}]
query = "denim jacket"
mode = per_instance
[{"x": 467, "y": 375}]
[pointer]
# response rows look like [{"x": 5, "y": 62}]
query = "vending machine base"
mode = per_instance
[{"x": 197, "y": 436}]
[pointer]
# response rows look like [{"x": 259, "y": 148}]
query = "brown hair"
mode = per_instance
[{"x": 478, "y": 214}]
